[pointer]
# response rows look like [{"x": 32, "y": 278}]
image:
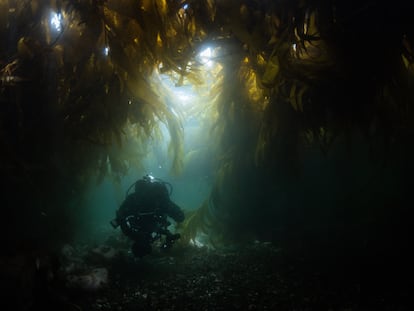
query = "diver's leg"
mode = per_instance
[{"x": 141, "y": 245}]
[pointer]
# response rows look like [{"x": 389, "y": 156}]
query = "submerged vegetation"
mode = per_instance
[{"x": 78, "y": 101}]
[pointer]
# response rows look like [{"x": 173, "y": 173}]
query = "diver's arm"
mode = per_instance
[
  {"x": 175, "y": 212},
  {"x": 126, "y": 209}
]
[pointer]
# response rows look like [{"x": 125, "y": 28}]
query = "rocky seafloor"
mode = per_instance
[{"x": 255, "y": 276}]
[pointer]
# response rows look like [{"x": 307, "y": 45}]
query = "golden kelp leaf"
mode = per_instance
[
  {"x": 146, "y": 5},
  {"x": 176, "y": 146},
  {"x": 310, "y": 27},
  {"x": 180, "y": 81},
  {"x": 196, "y": 221},
  {"x": 406, "y": 62},
  {"x": 211, "y": 9},
  {"x": 292, "y": 97},
  {"x": 141, "y": 89},
  {"x": 159, "y": 41},
  {"x": 105, "y": 67},
  {"x": 134, "y": 31},
  {"x": 253, "y": 92},
  {"x": 80, "y": 38},
  {"x": 114, "y": 20},
  {"x": 194, "y": 78},
  {"x": 260, "y": 60},
  {"x": 325, "y": 137},
  {"x": 170, "y": 32},
  {"x": 162, "y": 7},
  {"x": 191, "y": 28},
  {"x": 24, "y": 48},
  {"x": 271, "y": 72}
]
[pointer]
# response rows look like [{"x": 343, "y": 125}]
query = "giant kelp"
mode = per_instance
[
  {"x": 326, "y": 69},
  {"x": 84, "y": 80},
  {"x": 293, "y": 73}
]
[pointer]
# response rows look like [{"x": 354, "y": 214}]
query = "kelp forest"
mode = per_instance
[{"x": 303, "y": 114}]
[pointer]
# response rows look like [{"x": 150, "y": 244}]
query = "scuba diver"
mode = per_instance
[{"x": 143, "y": 216}]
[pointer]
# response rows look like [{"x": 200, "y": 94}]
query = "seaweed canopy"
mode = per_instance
[
  {"x": 134, "y": 39},
  {"x": 78, "y": 92},
  {"x": 78, "y": 98},
  {"x": 96, "y": 59},
  {"x": 301, "y": 73}
]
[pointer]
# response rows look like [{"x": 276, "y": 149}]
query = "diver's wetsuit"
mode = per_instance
[{"x": 143, "y": 215}]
